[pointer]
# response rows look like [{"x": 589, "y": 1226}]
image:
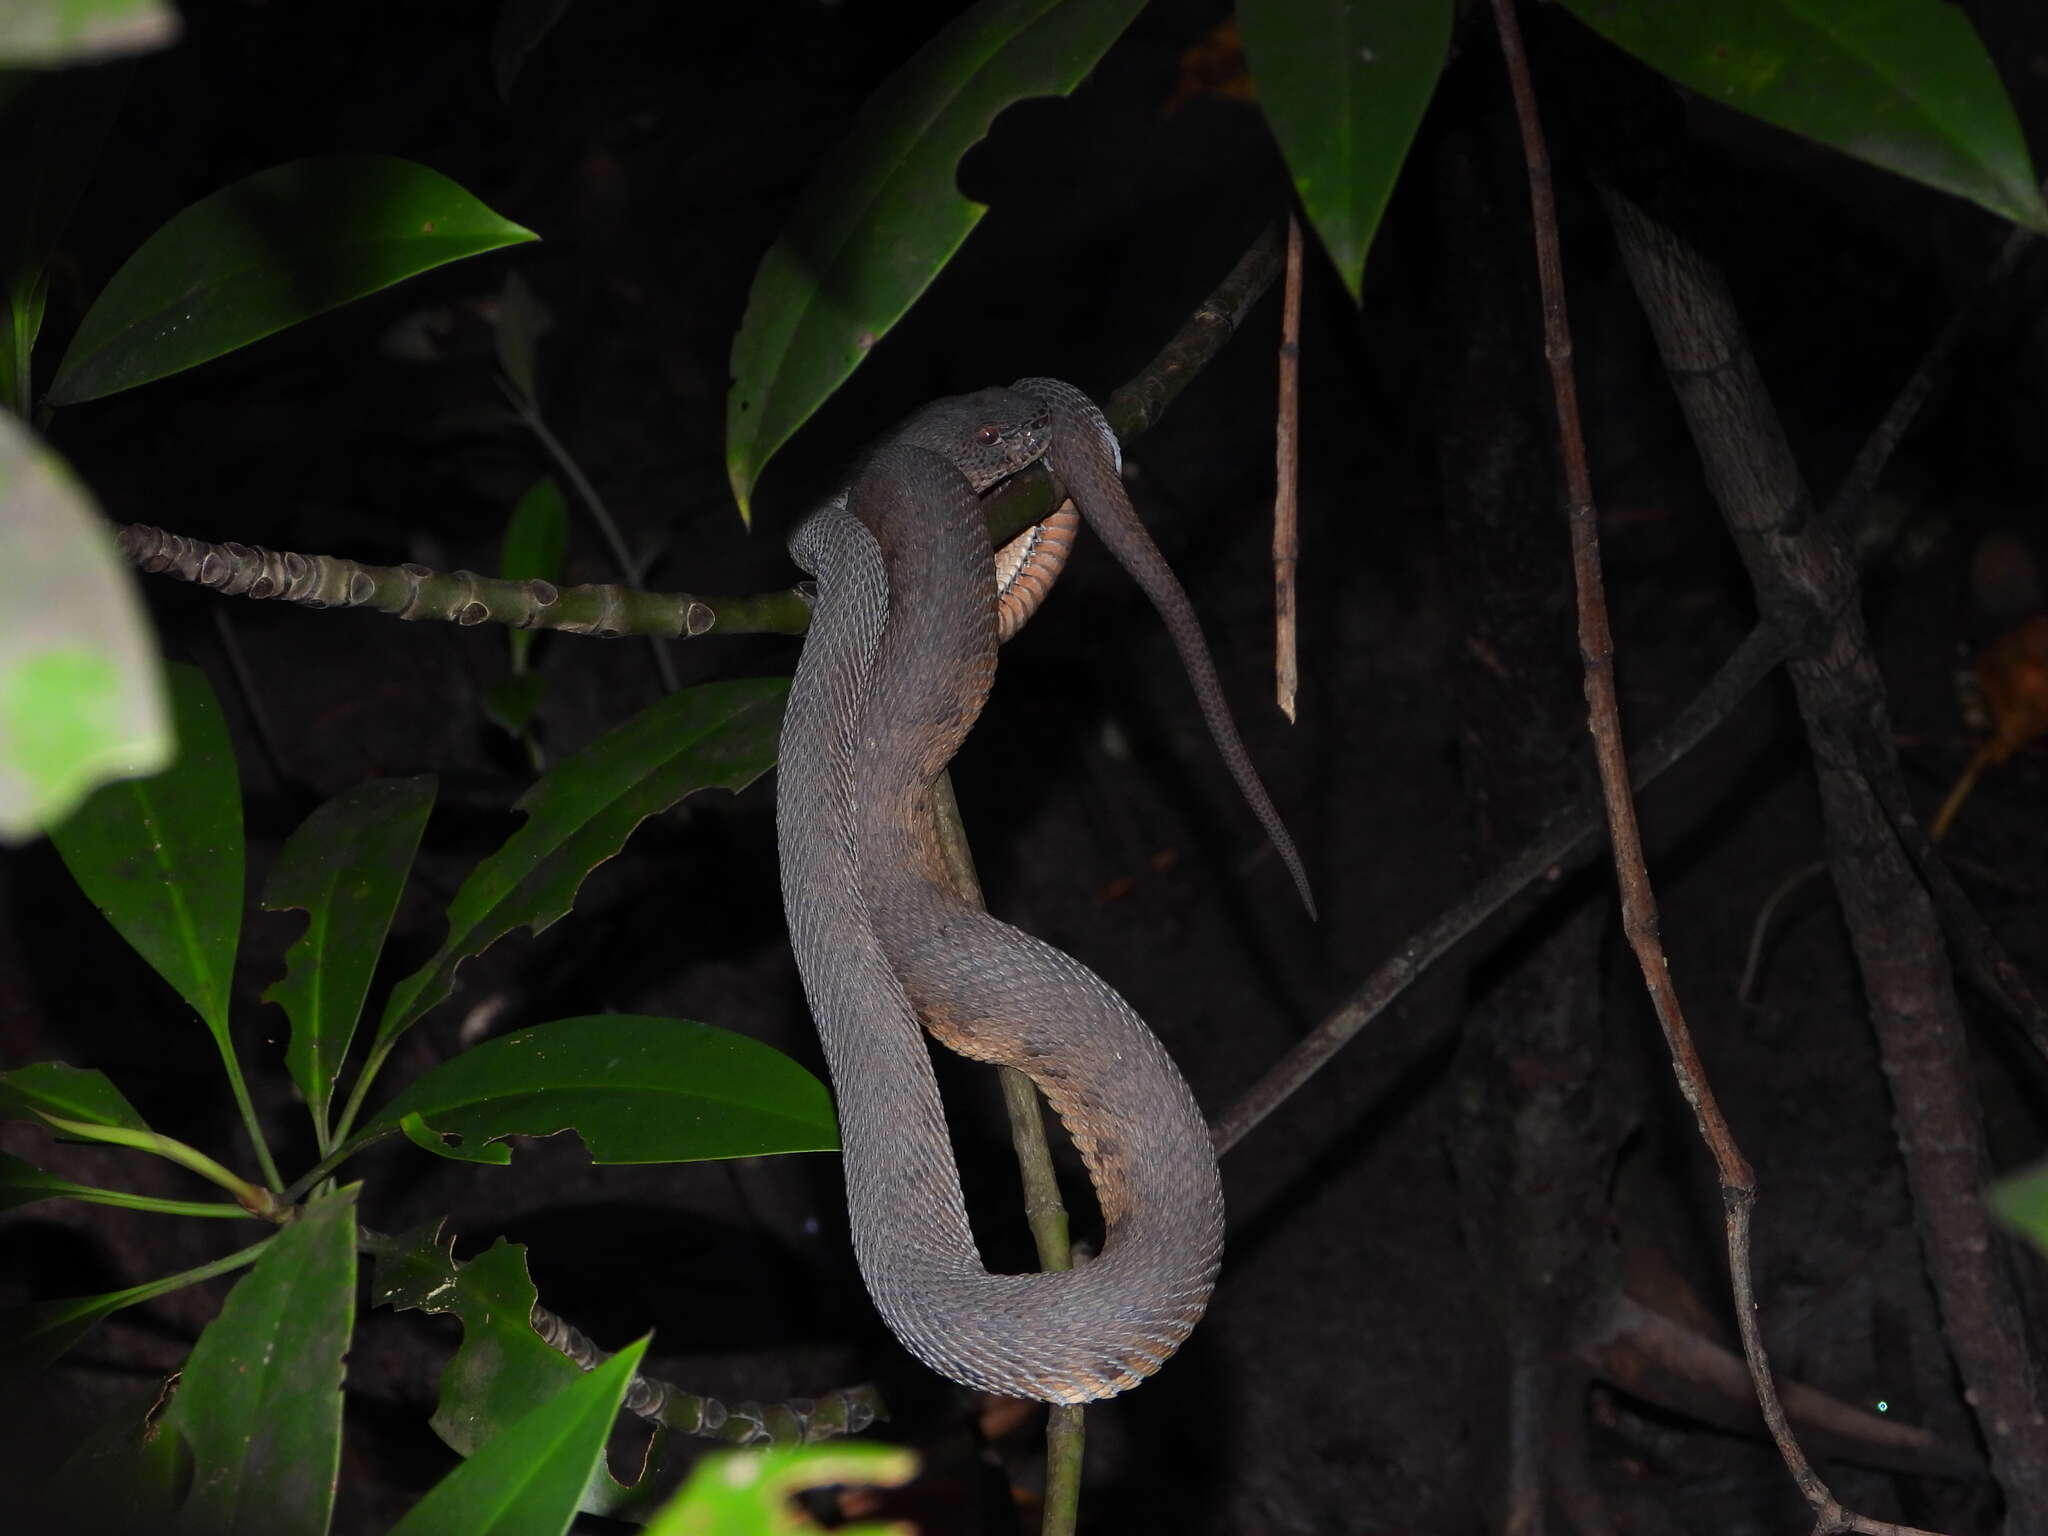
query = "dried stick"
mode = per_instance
[
  {"x": 1803, "y": 575},
  {"x": 1638, "y": 900},
  {"x": 1287, "y": 481}
]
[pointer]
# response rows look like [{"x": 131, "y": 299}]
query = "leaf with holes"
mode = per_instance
[
  {"x": 882, "y": 216},
  {"x": 580, "y": 813},
  {"x": 345, "y": 868},
  {"x": 502, "y": 1367},
  {"x": 529, "y": 1478}
]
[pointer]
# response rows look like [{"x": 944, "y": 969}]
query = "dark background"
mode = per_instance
[{"x": 1350, "y": 1375}]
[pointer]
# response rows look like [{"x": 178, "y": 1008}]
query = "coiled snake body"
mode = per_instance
[{"x": 897, "y": 665}]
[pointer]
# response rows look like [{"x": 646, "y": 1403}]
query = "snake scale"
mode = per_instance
[{"x": 897, "y": 665}]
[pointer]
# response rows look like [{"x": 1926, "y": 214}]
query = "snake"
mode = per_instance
[{"x": 895, "y": 669}]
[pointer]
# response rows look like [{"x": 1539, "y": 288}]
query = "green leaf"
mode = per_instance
[
  {"x": 522, "y": 321},
  {"x": 81, "y": 689},
  {"x": 54, "y": 134},
  {"x": 161, "y": 857},
  {"x": 268, "y": 252},
  {"x": 511, "y": 702},
  {"x": 72, "y": 1093},
  {"x": 2021, "y": 1202},
  {"x": 636, "y": 1089},
  {"x": 128, "y": 1474},
  {"x": 748, "y": 1493},
  {"x": 502, "y": 1367},
  {"x": 345, "y": 868},
  {"x": 50, "y": 33},
  {"x": 536, "y": 543},
  {"x": 580, "y": 813},
  {"x": 1903, "y": 84},
  {"x": 536, "y": 535},
  {"x": 528, "y": 1479},
  {"x": 34, "y": 1335},
  {"x": 23, "y": 1183},
  {"x": 1344, "y": 87},
  {"x": 259, "y": 1402},
  {"x": 882, "y": 215}
]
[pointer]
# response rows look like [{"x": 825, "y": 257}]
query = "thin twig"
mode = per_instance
[
  {"x": 1596, "y": 648},
  {"x": 1846, "y": 506},
  {"x": 1745, "y": 990},
  {"x": 1287, "y": 481},
  {"x": 632, "y": 571}
]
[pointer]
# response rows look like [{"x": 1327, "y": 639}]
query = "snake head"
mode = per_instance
[{"x": 988, "y": 435}]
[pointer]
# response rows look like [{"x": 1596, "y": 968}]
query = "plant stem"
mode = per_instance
[
  {"x": 1065, "y": 1425},
  {"x": 249, "y": 1123},
  {"x": 630, "y": 569},
  {"x": 218, "y": 1209},
  {"x": 257, "y": 1202},
  {"x": 227, "y": 1264}
]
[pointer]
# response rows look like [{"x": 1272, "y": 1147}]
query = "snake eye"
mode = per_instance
[{"x": 988, "y": 437}]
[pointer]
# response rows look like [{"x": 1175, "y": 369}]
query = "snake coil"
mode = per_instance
[{"x": 896, "y": 668}]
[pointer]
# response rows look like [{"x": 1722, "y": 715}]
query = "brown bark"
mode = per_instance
[{"x": 1806, "y": 580}]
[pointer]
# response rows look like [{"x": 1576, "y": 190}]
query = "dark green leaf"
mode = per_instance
[
  {"x": 161, "y": 857},
  {"x": 72, "y": 1093},
  {"x": 637, "y": 1090},
  {"x": 1343, "y": 87},
  {"x": 1903, "y": 84},
  {"x": 52, "y": 143},
  {"x": 414, "y": 1269},
  {"x": 49, "y": 33},
  {"x": 344, "y": 867},
  {"x": 528, "y": 1479},
  {"x": 34, "y": 1335},
  {"x": 81, "y": 689},
  {"x": 510, "y": 702},
  {"x": 748, "y": 1493},
  {"x": 268, "y": 252},
  {"x": 522, "y": 321},
  {"x": 23, "y": 1183},
  {"x": 536, "y": 543},
  {"x": 536, "y": 535},
  {"x": 128, "y": 1474},
  {"x": 503, "y": 1367},
  {"x": 2021, "y": 1202},
  {"x": 259, "y": 1402},
  {"x": 882, "y": 215},
  {"x": 580, "y": 813}
]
